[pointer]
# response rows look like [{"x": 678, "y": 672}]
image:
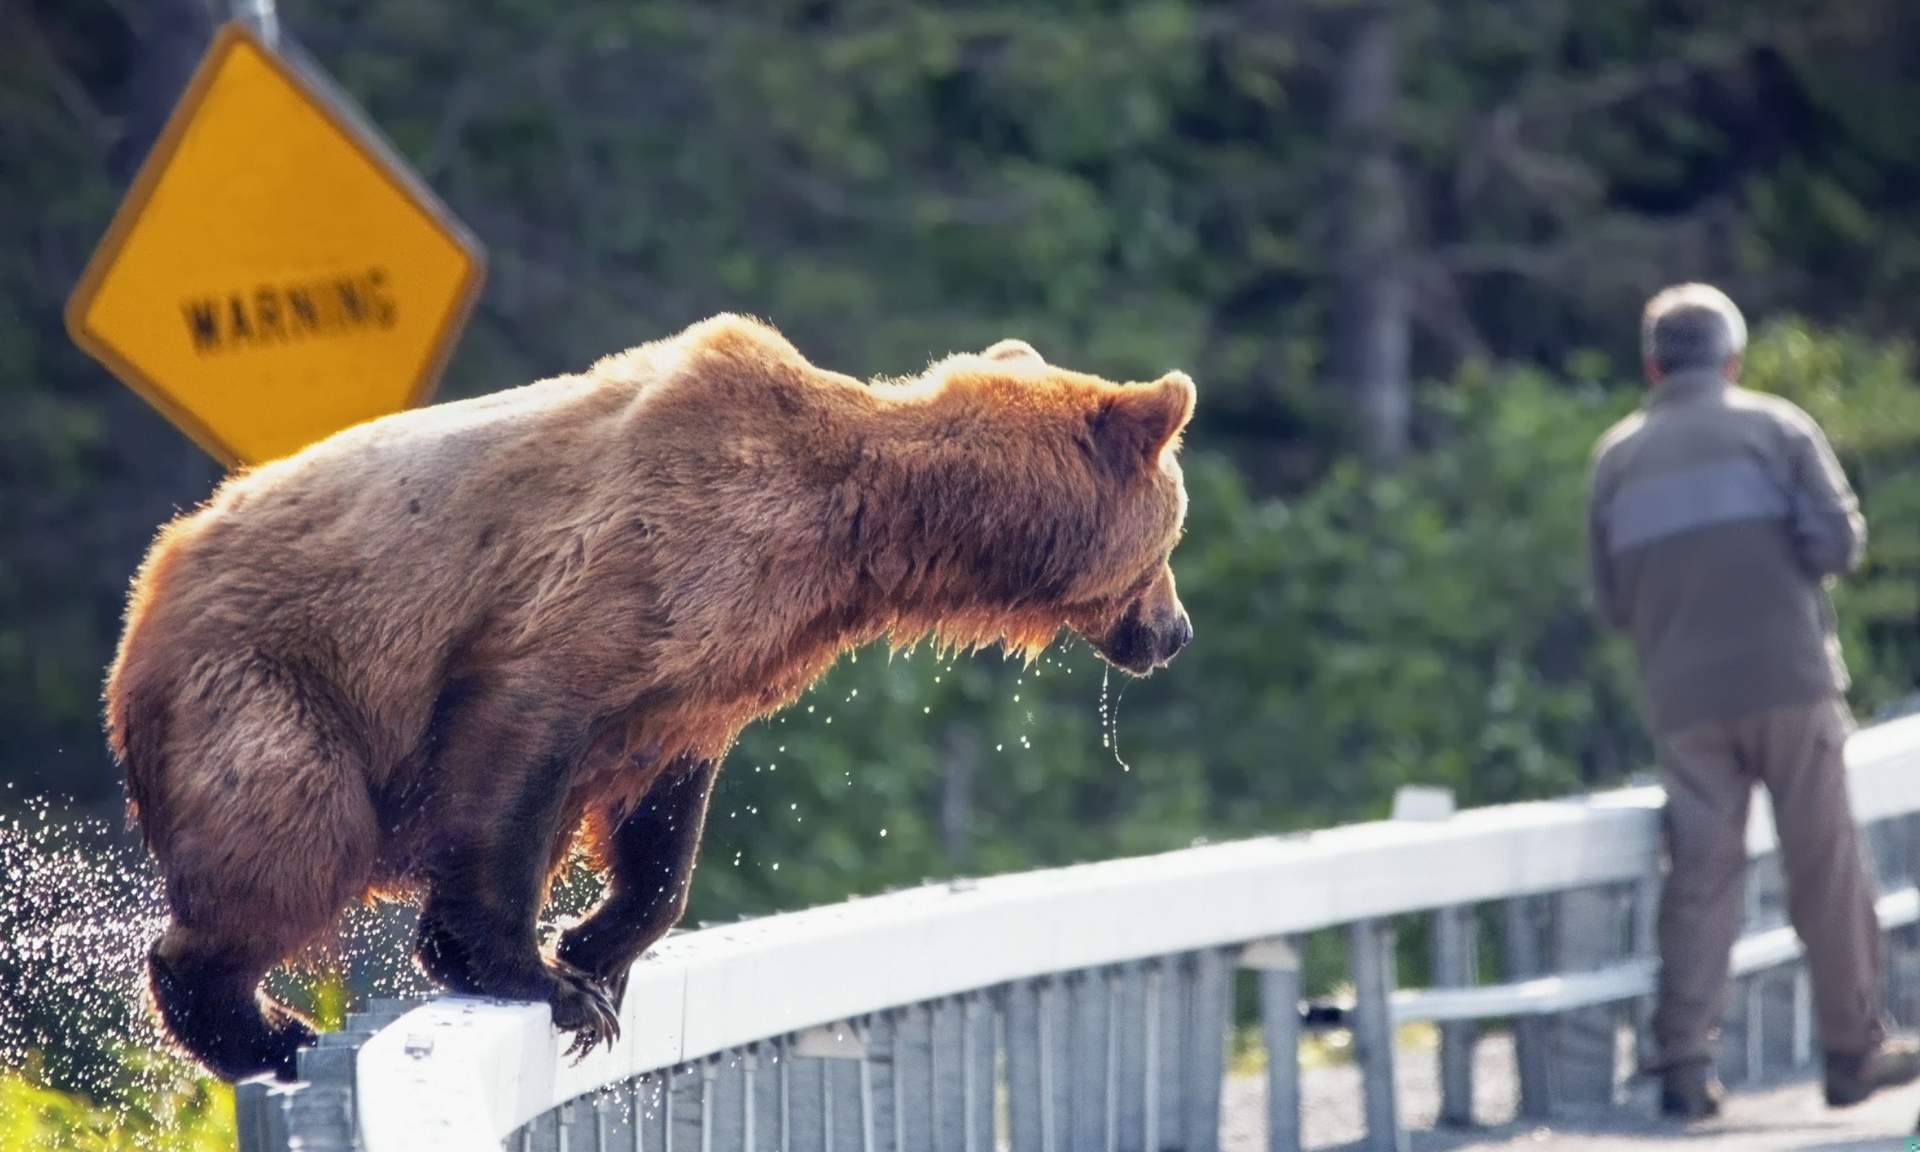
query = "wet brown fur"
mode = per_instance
[{"x": 352, "y": 657}]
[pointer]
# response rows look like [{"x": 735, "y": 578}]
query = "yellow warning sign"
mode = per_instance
[{"x": 276, "y": 273}]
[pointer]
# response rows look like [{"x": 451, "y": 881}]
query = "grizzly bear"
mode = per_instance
[{"x": 422, "y": 656}]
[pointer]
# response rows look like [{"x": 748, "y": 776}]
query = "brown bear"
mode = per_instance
[{"x": 420, "y": 656}]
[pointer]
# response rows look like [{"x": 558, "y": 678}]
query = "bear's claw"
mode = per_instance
[
  {"x": 578, "y": 950},
  {"x": 581, "y": 1007},
  {"x": 615, "y": 986}
]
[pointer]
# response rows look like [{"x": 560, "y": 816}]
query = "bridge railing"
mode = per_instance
[{"x": 1091, "y": 1007}]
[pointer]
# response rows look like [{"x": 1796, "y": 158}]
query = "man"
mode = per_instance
[{"x": 1717, "y": 518}]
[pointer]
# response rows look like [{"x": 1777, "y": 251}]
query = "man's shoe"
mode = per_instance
[
  {"x": 1690, "y": 1091},
  {"x": 1851, "y": 1079}
]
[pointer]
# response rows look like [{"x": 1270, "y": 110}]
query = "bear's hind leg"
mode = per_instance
[
  {"x": 265, "y": 832},
  {"x": 207, "y": 992}
]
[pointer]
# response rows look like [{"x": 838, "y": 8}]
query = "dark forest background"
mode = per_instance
[{"x": 1400, "y": 244}]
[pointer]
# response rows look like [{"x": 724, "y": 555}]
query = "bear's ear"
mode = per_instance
[
  {"x": 1137, "y": 422},
  {"x": 1013, "y": 350}
]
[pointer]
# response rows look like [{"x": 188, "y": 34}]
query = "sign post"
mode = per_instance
[
  {"x": 276, "y": 273},
  {"x": 264, "y": 16}
]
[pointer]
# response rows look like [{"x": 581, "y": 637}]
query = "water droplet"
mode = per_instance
[{"x": 1110, "y": 722}]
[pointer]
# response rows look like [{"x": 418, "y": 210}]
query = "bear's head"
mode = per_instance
[
  {"x": 1094, "y": 501},
  {"x": 1126, "y": 605}
]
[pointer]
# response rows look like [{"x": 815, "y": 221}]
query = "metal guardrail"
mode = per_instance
[{"x": 1090, "y": 1007}]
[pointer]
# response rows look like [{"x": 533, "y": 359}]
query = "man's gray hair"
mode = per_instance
[{"x": 1691, "y": 326}]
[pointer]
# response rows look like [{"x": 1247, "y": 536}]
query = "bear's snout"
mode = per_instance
[
  {"x": 1152, "y": 630},
  {"x": 1141, "y": 641},
  {"x": 1176, "y": 638}
]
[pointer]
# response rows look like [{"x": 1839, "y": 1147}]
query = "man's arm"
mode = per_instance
[
  {"x": 1606, "y": 601},
  {"x": 1828, "y": 530}
]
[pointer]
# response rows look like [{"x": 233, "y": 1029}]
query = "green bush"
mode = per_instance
[
  {"x": 156, "y": 1105},
  {"x": 1425, "y": 626},
  {"x": 1864, "y": 394}
]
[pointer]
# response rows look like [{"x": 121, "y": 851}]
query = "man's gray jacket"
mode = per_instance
[{"x": 1716, "y": 517}]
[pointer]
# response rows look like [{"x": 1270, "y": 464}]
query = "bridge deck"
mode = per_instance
[{"x": 1778, "y": 1117}]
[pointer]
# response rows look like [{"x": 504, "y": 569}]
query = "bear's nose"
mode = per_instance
[{"x": 1176, "y": 638}]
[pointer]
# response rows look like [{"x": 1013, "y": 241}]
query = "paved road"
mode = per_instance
[{"x": 1779, "y": 1117}]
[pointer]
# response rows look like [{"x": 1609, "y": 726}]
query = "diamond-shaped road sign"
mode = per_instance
[{"x": 276, "y": 272}]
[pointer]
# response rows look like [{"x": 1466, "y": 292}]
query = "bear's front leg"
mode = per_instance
[
  {"x": 650, "y": 861},
  {"x": 476, "y": 936},
  {"x": 501, "y": 783}
]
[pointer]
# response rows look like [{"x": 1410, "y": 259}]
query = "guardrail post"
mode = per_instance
[
  {"x": 1278, "y": 963},
  {"x": 1645, "y": 937},
  {"x": 1903, "y": 945},
  {"x": 260, "y": 1113},
  {"x": 1129, "y": 1070},
  {"x": 1531, "y": 1038},
  {"x": 1586, "y": 929},
  {"x": 1209, "y": 1015},
  {"x": 805, "y": 1112},
  {"x": 321, "y": 1114},
  {"x": 317, "y": 1111},
  {"x": 1733, "y": 1052},
  {"x": 250, "y": 1104},
  {"x": 1779, "y": 992},
  {"x": 1371, "y": 942},
  {"x": 1455, "y": 961},
  {"x": 840, "y": 1054},
  {"x": 725, "y": 1104},
  {"x": 978, "y": 1095},
  {"x": 1089, "y": 1054},
  {"x": 1742, "y": 1028},
  {"x": 1029, "y": 1071},
  {"x": 687, "y": 1106},
  {"x": 910, "y": 1086}
]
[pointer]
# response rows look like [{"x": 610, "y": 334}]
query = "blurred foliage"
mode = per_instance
[
  {"x": 1866, "y": 397},
  {"x": 155, "y": 1105}
]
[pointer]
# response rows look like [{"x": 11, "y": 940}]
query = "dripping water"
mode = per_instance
[{"x": 1110, "y": 719}]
